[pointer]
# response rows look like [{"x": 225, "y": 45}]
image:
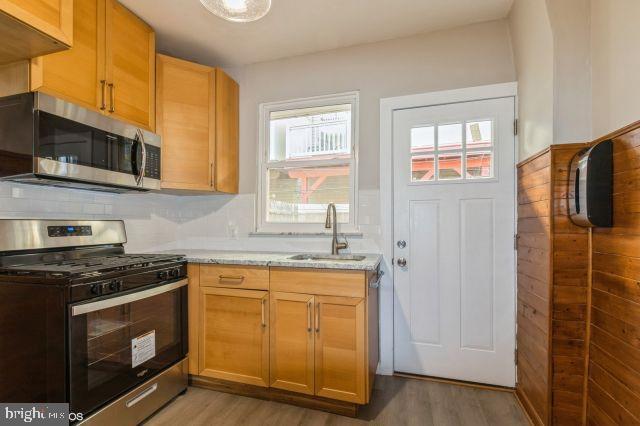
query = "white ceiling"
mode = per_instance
[{"x": 295, "y": 27}]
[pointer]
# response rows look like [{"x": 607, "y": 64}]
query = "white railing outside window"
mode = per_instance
[{"x": 317, "y": 139}]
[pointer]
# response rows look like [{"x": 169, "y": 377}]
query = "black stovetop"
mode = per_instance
[{"x": 87, "y": 262}]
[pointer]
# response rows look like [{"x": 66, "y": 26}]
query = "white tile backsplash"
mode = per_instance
[{"x": 166, "y": 222}]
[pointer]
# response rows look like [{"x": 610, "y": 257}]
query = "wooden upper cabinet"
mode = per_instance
[
  {"x": 227, "y": 133},
  {"x": 186, "y": 122},
  {"x": 340, "y": 359},
  {"x": 110, "y": 68},
  {"x": 130, "y": 66},
  {"x": 197, "y": 117},
  {"x": 292, "y": 342},
  {"x": 75, "y": 74},
  {"x": 234, "y": 335},
  {"x": 29, "y": 28}
]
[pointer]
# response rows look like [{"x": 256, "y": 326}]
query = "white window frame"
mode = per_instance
[{"x": 265, "y": 110}]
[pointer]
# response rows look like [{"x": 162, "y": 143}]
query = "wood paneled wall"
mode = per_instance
[
  {"x": 552, "y": 291},
  {"x": 534, "y": 285},
  {"x": 614, "y": 352},
  {"x": 570, "y": 293}
]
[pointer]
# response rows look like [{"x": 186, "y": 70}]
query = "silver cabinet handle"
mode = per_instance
[
  {"x": 402, "y": 262},
  {"x": 236, "y": 279},
  {"x": 133, "y": 401},
  {"x": 112, "y": 101},
  {"x": 103, "y": 95},
  {"x": 318, "y": 317},
  {"x": 264, "y": 321},
  {"x": 401, "y": 243},
  {"x": 212, "y": 177},
  {"x": 309, "y": 316}
]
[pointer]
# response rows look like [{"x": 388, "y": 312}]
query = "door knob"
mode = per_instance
[
  {"x": 401, "y": 243},
  {"x": 402, "y": 262}
]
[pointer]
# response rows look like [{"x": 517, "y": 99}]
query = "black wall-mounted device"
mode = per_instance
[{"x": 590, "y": 195}]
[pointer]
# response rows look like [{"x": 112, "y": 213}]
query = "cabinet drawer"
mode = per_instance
[
  {"x": 323, "y": 282},
  {"x": 235, "y": 276}
]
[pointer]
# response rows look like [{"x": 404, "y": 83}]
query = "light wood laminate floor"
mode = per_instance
[{"x": 395, "y": 401}]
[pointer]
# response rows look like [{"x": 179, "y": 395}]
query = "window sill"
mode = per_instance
[{"x": 303, "y": 234}]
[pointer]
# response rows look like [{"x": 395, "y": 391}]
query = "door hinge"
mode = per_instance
[
  {"x": 515, "y": 355},
  {"x": 515, "y": 127},
  {"x": 515, "y": 242}
]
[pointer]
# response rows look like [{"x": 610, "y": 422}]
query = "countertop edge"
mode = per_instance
[{"x": 367, "y": 265}]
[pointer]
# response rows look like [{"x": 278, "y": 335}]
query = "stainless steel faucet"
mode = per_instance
[{"x": 333, "y": 221}]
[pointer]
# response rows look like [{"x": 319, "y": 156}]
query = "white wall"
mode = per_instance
[
  {"x": 615, "y": 37},
  {"x": 570, "y": 25},
  {"x": 533, "y": 50},
  {"x": 584, "y": 51},
  {"x": 473, "y": 55}
]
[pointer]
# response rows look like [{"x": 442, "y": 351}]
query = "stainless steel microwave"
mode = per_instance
[{"x": 45, "y": 140}]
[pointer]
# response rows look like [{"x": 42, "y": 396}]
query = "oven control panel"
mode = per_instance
[
  {"x": 126, "y": 282},
  {"x": 69, "y": 231}
]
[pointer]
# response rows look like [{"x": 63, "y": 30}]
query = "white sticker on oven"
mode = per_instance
[{"x": 143, "y": 348}]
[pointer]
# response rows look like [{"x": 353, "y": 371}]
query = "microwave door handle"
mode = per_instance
[
  {"x": 143, "y": 166},
  {"x": 86, "y": 308}
]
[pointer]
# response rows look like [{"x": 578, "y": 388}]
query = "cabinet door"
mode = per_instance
[
  {"x": 76, "y": 74},
  {"x": 185, "y": 120},
  {"x": 29, "y": 28},
  {"x": 234, "y": 335},
  {"x": 292, "y": 366},
  {"x": 227, "y": 133},
  {"x": 130, "y": 66},
  {"x": 340, "y": 348},
  {"x": 51, "y": 17}
]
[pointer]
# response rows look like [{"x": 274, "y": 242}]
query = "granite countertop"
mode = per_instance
[{"x": 370, "y": 262}]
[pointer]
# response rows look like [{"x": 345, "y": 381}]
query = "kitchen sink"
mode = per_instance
[{"x": 330, "y": 257}]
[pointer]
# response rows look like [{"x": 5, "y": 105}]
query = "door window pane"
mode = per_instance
[
  {"x": 467, "y": 146},
  {"x": 479, "y": 134},
  {"x": 423, "y": 168},
  {"x": 479, "y": 164},
  {"x": 301, "y": 195},
  {"x": 450, "y": 136},
  {"x": 422, "y": 139},
  {"x": 449, "y": 166}
]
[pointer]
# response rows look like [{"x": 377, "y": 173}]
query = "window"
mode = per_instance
[
  {"x": 307, "y": 160},
  {"x": 452, "y": 151}
]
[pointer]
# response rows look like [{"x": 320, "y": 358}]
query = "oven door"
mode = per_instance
[{"x": 119, "y": 342}]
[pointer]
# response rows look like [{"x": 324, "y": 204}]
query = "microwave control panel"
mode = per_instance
[{"x": 152, "y": 168}]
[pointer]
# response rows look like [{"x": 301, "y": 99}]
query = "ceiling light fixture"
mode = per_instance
[{"x": 238, "y": 10}]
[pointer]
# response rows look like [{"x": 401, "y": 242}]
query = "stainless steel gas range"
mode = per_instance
[{"x": 84, "y": 323}]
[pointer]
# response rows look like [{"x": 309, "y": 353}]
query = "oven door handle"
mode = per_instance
[{"x": 85, "y": 308}]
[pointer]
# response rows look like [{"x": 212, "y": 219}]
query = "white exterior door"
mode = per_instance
[{"x": 454, "y": 225}]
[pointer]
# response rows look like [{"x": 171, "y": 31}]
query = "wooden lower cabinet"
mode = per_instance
[
  {"x": 317, "y": 344},
  {"x": 292, "y": 342},
  {"x": 340, "y": 365},
  {"x": 234, "y": 335}
]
